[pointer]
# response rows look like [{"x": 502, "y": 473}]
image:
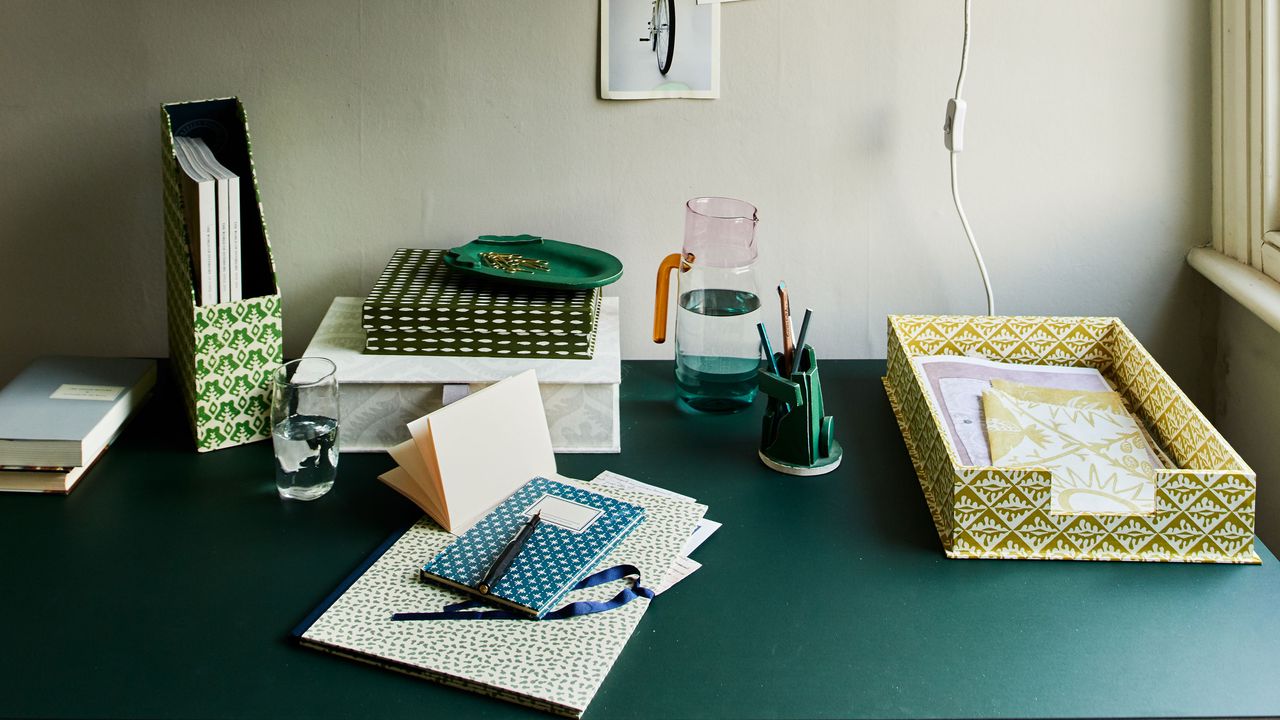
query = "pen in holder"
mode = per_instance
[{"x": 796, "y": 437}]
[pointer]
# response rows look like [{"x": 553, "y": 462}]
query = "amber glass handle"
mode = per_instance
[{"x": 669, "y": 263}]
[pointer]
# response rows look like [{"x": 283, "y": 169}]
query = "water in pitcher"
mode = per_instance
[{"x": 717, "y": 355}]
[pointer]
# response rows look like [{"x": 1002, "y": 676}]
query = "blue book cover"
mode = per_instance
[
  {"x": 61, "y": 410},
  {"x": 579, "y": 528}
]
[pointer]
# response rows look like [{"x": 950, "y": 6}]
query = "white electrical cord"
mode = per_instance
[
  {"x": 953, "y": 132},
  {"x": 964, "y": 49}
]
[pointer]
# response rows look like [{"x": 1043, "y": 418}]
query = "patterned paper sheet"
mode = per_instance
[
  {"x": 1105, "y": 400},
  {"x": 1098, "y": 457},
  {"x": 956, "y": 385}
]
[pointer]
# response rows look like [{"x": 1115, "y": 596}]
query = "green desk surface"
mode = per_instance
[{"x": 167, "y": 583}]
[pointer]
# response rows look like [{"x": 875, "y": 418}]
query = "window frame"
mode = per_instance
[{"x": 1245, "y": 42}]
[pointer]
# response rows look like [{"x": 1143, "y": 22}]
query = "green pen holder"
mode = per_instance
[{"x": 796, "y": 436}]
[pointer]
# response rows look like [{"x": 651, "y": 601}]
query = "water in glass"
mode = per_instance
[
  {"x": 304, "y": 427},
  {"x": 306, "y": 456}
]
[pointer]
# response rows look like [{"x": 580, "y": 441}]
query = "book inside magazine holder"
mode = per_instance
[{"x": 220, "y": 124}]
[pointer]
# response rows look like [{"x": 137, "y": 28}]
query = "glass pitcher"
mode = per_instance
[{"x": 717, "y": 345}]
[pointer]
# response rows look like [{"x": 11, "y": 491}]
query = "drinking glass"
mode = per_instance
[{"x": 304, "y": 427}]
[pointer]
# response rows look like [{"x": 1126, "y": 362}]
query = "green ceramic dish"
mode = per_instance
[{"x": 568, "y": 266}]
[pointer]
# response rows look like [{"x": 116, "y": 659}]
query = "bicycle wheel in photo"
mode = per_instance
[{"x": 664, "y": 33}]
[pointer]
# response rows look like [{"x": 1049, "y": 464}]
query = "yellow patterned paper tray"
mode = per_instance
[{"x": 1204, "y": 509}]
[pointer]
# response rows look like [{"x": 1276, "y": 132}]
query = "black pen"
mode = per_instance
[
  {"x": 804, "y": 335},
  {"x": 509, "y": 553},
  {"x": 768, "y": 349}
]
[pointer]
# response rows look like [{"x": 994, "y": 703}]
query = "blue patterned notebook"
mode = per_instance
[{"x": 578, "y": 529}]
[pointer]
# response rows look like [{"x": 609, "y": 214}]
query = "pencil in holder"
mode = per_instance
[{"x": 796, "y": 436}]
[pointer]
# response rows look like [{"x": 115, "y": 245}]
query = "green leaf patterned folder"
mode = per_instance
[
  {"x": 420, "y": 307},
  {"x": 552, "y": 666}
]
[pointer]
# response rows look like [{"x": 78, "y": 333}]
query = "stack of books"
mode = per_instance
[
  {"x": 421, "y": 307},
  {"x": 211, "y": 210},
  {"x": 58, "y": 416}
]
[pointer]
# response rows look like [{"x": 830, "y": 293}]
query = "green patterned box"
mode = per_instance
[
  {"x": 498, "y": 343},
  {"x": 421, "y": 307},
  {"x": 1204, "y": 507},
  {"x": 222, "y": 354}
]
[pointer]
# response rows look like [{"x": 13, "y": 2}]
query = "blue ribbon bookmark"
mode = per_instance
[{"x": 463, "y": 610}]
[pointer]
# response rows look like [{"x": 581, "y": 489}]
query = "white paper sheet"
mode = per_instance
[
  {"x": 682, "y": 568},
  {"x": 701, "y": 532}
]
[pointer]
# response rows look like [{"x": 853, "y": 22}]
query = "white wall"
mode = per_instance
[
  {"x": 378, "y": 125},
  {"x": 1247, "y": 393}
]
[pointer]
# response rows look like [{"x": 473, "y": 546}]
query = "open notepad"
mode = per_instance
[{"x": 465, "y": 458}]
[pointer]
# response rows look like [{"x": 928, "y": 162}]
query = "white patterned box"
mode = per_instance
[{"x": 381, "y": 393}]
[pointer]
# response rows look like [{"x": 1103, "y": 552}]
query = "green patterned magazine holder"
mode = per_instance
[{"x": 222, "y": 354}]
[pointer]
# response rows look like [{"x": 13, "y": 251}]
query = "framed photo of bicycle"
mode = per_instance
[{"x": 659, "y": 49}]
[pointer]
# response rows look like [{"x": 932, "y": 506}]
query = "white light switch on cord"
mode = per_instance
[{"x": 953, "y": 128}]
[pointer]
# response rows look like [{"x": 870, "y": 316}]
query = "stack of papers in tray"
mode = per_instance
[{"x": 1066, "y": 419}]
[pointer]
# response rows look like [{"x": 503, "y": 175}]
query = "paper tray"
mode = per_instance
[{"x": 1204, "y": 508}]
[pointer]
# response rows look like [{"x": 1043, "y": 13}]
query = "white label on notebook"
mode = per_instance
[
  {"x": 564, "y": 513},
  {"x": 87, "y": 392}
]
